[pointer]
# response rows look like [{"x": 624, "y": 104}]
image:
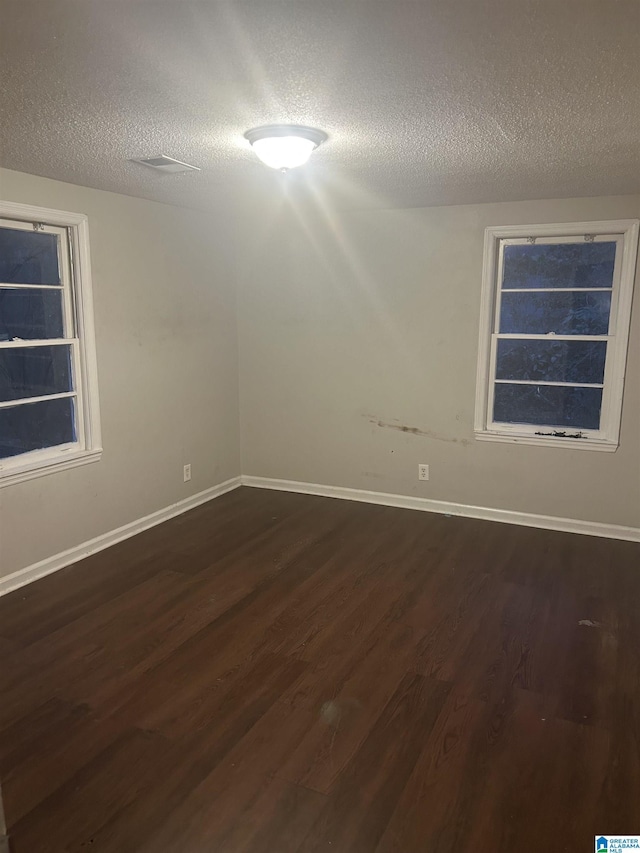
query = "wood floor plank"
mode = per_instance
[
  {"x": 194, "y": 753},
  {"x": 113, "y": 651},
  {"x": 106, "y": 784},
  {"x": 66, "y": 750},
  {"x": 361, "y": 805},
  {"x": 515, "y": 778},
  {"x": 432, "y": 804},
  {"x": 278, "y": 818},
  {"x": 211, "y": 810},
  {"x": 33, "y": 732},
  {"x": 346, "y": 704}
]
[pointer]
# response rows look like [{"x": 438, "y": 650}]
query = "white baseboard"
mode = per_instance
[
  {"x": 72, "y": 555},
  {"x": 92, "y": 546},
  {"x": 546, "y": 522}
]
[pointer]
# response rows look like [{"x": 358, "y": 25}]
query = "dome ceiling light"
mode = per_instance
[{"x": 284, "y": 146}]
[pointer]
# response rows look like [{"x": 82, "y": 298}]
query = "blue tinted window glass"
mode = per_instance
[
  {"x": 30, "y": 314},
  {"x": 559, "y": 265},
  {"x": 573, "y": 313},
  {"x": 28, "y": 257},
  {"x": 551, "y": 361},
  {"x": 34, "y": 371},
  {"x": 548, "y": 405},
  {"x": 34, "y": 426}
]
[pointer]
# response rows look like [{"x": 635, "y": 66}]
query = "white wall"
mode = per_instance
[
  {"x": 355, "y": 325},
  {"x": 166, "y": 342}
]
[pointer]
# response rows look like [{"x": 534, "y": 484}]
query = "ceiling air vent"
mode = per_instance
[{"x": 162, "y": 163}]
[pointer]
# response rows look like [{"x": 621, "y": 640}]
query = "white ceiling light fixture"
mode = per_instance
[{"x": 284, "y": 146}]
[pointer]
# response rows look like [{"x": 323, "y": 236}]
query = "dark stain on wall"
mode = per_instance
[{"x": 411, "y": 430}]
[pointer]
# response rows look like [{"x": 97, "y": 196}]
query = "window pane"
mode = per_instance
[
  {"x": 34, "y": 426},
  {"x": 559, "y": 265},
  {"x": 34, "y": 371},
  {"x": 28, "y": 257},
  {"x": 30, "y": 314},
  {"x": 548, "y": 405},
  {"x": 563, "y": 313},
  {"x": 551, "y": 361}
]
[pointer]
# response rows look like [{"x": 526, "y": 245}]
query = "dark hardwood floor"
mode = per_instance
[{"x": 278, "y": 673}]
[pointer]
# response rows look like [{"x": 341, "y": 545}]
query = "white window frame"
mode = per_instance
[
  {"x": 625, "y": 232},
  {"x": 75, "y": 267}
]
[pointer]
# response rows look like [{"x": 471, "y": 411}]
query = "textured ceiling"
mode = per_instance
[{"x": 425, "y": 101}]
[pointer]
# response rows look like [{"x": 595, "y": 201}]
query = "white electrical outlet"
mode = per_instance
[
  {"x": 423, "y": 472},
  {"x": 187, "y": 472}
]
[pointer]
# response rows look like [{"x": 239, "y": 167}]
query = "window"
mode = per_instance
[
  {"x": 556, "y": 306},
  {"x": 49, "y": 416}
]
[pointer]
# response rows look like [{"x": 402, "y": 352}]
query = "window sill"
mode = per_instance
[
  {"x": 551, "y": 441},
  {"x": 11, "y": 476}
]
